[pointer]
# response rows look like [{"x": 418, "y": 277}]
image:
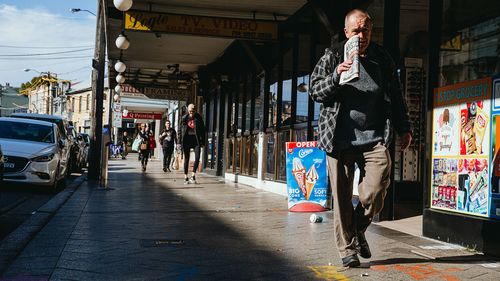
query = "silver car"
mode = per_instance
[{"x": 33, "y": 152}]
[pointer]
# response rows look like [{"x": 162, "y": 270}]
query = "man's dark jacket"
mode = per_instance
[
  {"x": 199, "y": 129},
  {"x": 326, "y": 91}
]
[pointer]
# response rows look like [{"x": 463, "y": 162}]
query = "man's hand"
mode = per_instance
[
  {"x": 344, "y": 66},
  {"x": 405, "y": 140}
]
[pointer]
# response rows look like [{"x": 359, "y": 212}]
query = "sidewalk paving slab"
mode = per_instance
[{"x": 150, "y": 226}]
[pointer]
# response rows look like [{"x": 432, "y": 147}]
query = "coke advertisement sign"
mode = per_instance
[{"x": 143, "y": 115}]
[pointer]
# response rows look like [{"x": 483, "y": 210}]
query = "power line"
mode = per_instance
[
  {"x": 56, "y": 58},
  {"x": 45, "y": 54},
  {"x": 44, "y": 65},
  {"x": 47, "y": 47}
]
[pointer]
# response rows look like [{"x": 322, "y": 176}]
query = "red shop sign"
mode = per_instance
[{"x": 142, "y": 115}]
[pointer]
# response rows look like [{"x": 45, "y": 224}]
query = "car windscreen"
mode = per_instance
[
  {"x": 26, "y": 131},
  {"x": 58, "y": 122}
]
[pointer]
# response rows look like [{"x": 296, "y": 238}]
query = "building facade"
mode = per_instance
[{"x": 79, "y": 109}]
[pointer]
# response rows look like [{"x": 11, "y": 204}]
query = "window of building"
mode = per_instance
[
  {"x": 248, "y": 101},
  {"x": 270, "y": 157},
  {"x": 470, "y": 41},
  {"x": 258, "y": 114},
  {"x": 303, "y": 72},
  {"x": 87, "y": 107},
  {"x": 241, "y": 100},
  {"x": 80, "y": 103},
  {"x": 273, "y": 95},
  {"x": 286, "y": 100}
]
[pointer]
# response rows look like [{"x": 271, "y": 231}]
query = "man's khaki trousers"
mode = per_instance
[{"x": 374, "y": 162}]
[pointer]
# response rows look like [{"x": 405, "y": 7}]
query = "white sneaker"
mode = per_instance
[
  {"x": 192, "y": 179},
  {"x": 186, "y": 181}
]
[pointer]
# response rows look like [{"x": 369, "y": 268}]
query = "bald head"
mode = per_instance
[
  {"x": 358, "y": 23},
  {"x": 355, "y": 13}
]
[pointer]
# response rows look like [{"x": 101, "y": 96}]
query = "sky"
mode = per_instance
[{"x": 46, "y": 36}]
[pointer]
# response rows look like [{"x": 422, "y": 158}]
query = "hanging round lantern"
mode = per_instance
[
  {"x": 122, "y": 42},
  {"x": 118, "y": 89},
  {"x": 120, "y": 79},
  {"x": 120, "y": 66},
  {"x": 116, "y": 97},
  {"x": 125, "y": 112},
  {"x": 123, "y": 5}
]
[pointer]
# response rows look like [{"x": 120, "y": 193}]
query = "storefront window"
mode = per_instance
[
  {"x": 286, "y": 100},
  {"x": 469, "y": 52},
  {"x": 270, "y": 156},
  {"x": 245, "y": 151},
  {"x": 283, "y": 138},
  {"x": 303, "y": 71},
  {"x": 254, "y": 157},
  {"x": 241, "y": 102},
  {"x": 261, "y": 88},
  {"x": 237, "y": 154},
  {"x": 302, "y": 98},
  {"x": 273, "y": 96},
  {"x": 300, "y": 135},
  {"x": 248, "y": 103},
  {"x": 229, "y": 155}
]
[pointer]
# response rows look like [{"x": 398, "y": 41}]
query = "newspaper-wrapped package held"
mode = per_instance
[{"x": 351, "y": 52}]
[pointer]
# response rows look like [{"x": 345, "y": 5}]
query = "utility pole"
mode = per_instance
[{"x": 97, "y": 96}]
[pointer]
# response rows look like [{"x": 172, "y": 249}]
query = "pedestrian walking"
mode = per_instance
[
  {"x": 144, "y": 147},
  {"x": 152, "y": 144},
  {"x": 192, "y": 137},
  {"x": 167, "y": 140},
  {"x": 124, "y": 143},
  {"x": 355, "y": 127}
]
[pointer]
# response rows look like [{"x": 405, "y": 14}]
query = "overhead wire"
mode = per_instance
[
  {"x": 47, "y": 47},
  {"x": 46, "y": 54}
]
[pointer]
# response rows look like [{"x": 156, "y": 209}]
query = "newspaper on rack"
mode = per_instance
[{"x": 351, "y": 51}]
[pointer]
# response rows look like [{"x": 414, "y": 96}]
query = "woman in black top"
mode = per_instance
[
  {"x": 168, "y": 140},
  {"x": 192, "y": 136},
  {"x": 144, "y": 135}
]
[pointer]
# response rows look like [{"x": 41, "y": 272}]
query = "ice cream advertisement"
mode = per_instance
[
  {"x": 462, "y": 122},
  {"x": 307, "y": 180}
]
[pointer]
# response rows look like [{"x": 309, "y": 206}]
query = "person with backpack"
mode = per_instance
[{"x": 144, "y": 147}]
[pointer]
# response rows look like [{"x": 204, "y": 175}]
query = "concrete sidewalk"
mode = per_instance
[{"x": 150, "y": 226}]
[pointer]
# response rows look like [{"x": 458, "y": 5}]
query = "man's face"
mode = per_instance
[
  {"x": 191, "y": 111},
  {"x": 125, "y": 133},
  {"x": 359, "y": 24},
  {"x": 167, "y": 124}
]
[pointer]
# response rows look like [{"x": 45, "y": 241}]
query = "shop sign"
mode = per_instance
[
  {"x": 201, "y": 25},
  {"x": 463, "y": 92},
  {"x": 155, "y": 93},
  {"x": 117, "y": 119},
  {"x": 306, "y": 178},
  {"x": 141, "y": 115}
]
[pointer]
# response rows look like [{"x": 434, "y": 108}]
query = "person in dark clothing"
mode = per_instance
[
  {"x": 192, "y": 137},
  {"x": 144, "y": 135},
  {"x": 355, "y": 128},
  {"x": 124, "y": 145},
  {"x": 168, "y": 139}
]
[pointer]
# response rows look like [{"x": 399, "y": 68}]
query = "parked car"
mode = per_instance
[
  {"x": 33, "y": 152},
  {"x": 67, "y": 132},
  {"x": 85, "y": 142}
]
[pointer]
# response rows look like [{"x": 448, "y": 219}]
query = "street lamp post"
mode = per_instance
[{"x": 76, "y": 10}]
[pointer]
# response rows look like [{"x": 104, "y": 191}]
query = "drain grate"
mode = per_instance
[{"x": 150, "y": 243}]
